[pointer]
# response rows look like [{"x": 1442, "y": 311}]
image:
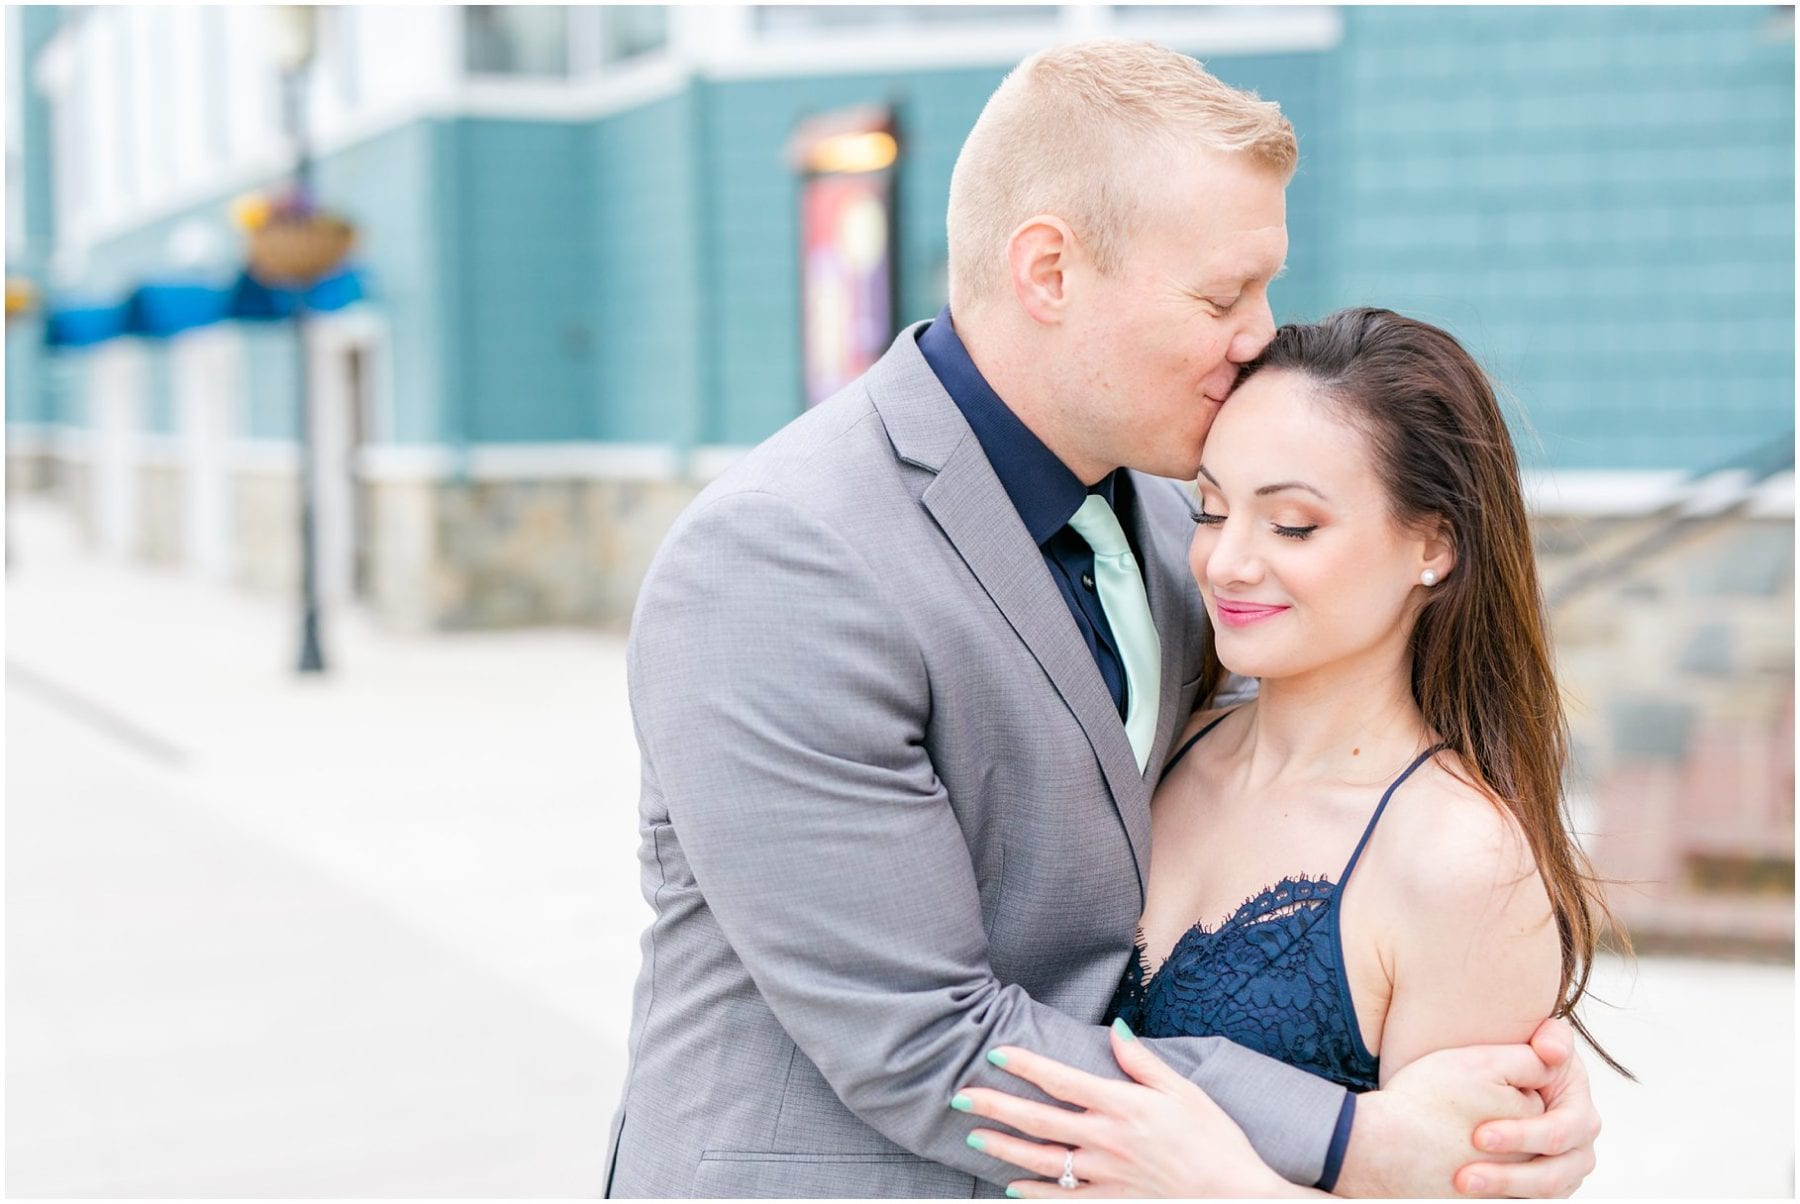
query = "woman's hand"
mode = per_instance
[{"x": 1159, "y": 1136}]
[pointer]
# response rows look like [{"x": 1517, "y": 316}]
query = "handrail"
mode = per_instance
[{"x": 1703, "y": 500}]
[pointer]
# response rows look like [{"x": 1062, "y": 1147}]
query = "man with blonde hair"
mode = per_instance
[{"x": 904, "y": 678}]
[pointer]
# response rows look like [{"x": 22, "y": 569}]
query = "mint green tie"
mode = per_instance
[{"x": 1127, "y": 607}]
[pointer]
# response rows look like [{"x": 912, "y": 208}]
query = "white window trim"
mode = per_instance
[
  {"x": 715, "y": 41},
  {"x": 734, "y": 50},
  {"x": 15, "y": 133},
  {"x": 187, "y": 101},
  {"x": 1627, "y": 493}
]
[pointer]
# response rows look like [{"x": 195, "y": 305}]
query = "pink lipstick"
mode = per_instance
[{"x": 1242, "y": 614}]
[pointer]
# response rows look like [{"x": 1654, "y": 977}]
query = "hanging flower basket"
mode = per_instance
[
  {"x": 300, "y": 249},
  {"x": 20, "y": 296}
]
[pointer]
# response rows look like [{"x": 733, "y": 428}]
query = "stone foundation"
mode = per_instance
[
  {"x": 1679, "y": 678},
  {"x": 160, "y": 537},
  {"x": 265, "y": 531},
  {"x": 30, "y": 471},
  {"x": 73, "y": 485},
  {"x": 517, "y": 553},
  {"x": 438, "y": 555}
]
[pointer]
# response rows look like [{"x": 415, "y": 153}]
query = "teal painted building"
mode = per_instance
[{"x": 584, "y": 290}]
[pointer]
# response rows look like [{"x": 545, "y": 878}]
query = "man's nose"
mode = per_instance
[{"x": 1254, "y": 334}]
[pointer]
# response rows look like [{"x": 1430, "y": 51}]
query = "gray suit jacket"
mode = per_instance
[{"x": 890, "y": 818}]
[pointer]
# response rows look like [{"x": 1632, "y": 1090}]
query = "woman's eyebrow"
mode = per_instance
[
  {"x": 1277, "y": 487},
  {"x": 1281, "y": 485}
]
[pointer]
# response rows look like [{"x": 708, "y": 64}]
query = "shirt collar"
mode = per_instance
[{"x": 1043, "y": 490}]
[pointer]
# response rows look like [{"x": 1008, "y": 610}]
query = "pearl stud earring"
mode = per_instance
[{"x": 1428, "y": 577}]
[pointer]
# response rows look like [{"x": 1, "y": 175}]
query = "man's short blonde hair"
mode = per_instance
[{"x": 1078, "y": 131}]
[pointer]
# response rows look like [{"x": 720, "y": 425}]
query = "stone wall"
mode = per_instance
[
  {"x": 265, "y": 517},
  {"x": 161, "y": 535},
  {"x": 30, "y": 471},
  {"x": 456, "y": 556},
  {"x": 513, "y": 553},
  {"x": 1679, "y": 676},
  {"x": 73, "y": 485}
]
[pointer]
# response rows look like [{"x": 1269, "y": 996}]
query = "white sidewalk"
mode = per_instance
[
  {"x": 483, "y": 785},
  {"x": 448, "y": 822},
  {"x": 375, "y": 934}
]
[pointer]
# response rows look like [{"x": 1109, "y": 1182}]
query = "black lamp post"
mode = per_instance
[{"x": 296, "y": 41}]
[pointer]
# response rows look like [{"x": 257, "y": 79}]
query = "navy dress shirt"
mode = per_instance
[{"x": 1043, "y": 490}]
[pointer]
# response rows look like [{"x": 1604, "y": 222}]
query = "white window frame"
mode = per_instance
[
  {"x": 724, "y": 41},
  {"x": 15, "y": 133}
]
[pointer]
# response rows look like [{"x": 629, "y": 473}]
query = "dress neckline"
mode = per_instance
[{"x": 1297, "y": 889}]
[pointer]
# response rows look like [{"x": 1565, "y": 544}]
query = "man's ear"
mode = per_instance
[{"x": 1039, "y": 256}]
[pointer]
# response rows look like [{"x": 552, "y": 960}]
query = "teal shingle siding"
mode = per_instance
[
  {"x": 271, "y": 408},
  {"x": 754, "y": 205},
  {"x": 520, "y": 333},
  {"x": 754, "y": 221},
  {"x": 28, "y": 398},
  {"x": 1598, "y": 201},
  {"x": 37, "y": 25},
  {"x": 159, "y": 393},
  {"x": 642, "y": 299},
  {"x": 386, "y": 185}
]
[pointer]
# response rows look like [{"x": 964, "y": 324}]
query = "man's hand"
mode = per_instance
[
  {"x": 1562, "y": 1138},
  {"x": 1482, "y": 1120}
]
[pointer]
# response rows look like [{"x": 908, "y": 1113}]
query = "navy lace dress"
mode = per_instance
[{"x": 1270, "y": 978}]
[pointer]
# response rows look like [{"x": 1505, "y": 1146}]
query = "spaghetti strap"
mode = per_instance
[
  {"x": 1183, "y": 751},
  {"x": 1369, "y": 831}
]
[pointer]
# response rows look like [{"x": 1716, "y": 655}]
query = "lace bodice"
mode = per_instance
[{"x": 1271, "y": 977}]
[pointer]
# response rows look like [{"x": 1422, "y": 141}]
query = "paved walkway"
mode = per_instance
[{"x": 375, "y": 934}]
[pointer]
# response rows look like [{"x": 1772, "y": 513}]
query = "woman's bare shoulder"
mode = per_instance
[{"x": 1454, "y": 842}]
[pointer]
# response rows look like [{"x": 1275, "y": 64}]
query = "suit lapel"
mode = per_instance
[{"x": 970, "y": 505}]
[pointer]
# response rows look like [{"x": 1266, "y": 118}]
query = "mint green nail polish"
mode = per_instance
[
  {"x": 1124, "y": 1030},
  {"x": 976, "y": 1143},
  {"x": 1012, "y": 1193},
  {"x": 962, "y": 1103},
  {"x": 996, "y": 1057}
]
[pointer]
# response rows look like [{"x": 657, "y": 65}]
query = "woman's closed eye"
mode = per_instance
[{"x": 1302, "y": 532}]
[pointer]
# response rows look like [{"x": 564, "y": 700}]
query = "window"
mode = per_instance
[
  {"x": 340, "y": 52},
  {"x": 121, "y": 88},
  {"x": 153, "y": 48},
  {"x": 215, "y": 115},
  {"x": 1135, "y": 16},
  {"x": 517, "y": 39},
  {"x": 15, "y": 135},
  {"x": 630, "y": 30},
  {"x": 778, "y": 20}
]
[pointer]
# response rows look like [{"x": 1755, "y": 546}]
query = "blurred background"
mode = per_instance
[{"x": 357, "y": 359}]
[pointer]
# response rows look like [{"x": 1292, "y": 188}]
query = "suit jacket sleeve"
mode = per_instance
[{"x": 781, "y": 704}]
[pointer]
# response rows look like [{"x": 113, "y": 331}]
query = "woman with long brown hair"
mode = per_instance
[{"x": 1367, "y": 861}]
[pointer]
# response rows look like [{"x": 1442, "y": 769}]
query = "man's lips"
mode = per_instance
[{"x": 1242, "y": 614}]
